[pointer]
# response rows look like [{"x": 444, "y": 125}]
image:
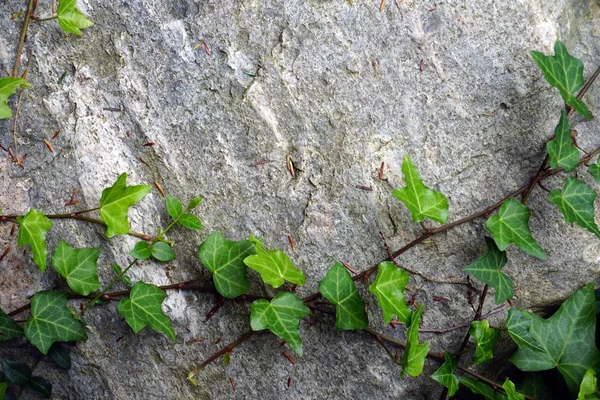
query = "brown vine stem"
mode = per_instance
[{"x": 28, "y": 14}]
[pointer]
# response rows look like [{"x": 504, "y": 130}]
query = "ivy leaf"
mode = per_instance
[
  {"x": 533, "y": 385},
  {"x": 51, "y": 321},
  {"x": 225, "y": 259},
  {"x": 194, "y": 203},
  {"x": 594, "y": 170},
  {"x": 445, "y": 374},
  {"x": 561, "y": 150},
  {"x": 487, "y": 269},
  {"x": 281, "y": 316},
  {"x": 486, "y": 338},
  {"x": 115, "y": 203},
  {"x": 190, "y": 221},
  {"x": 566, "y": 340},
  {"x": 143, "y": 307},
  {"x": 78, "y": 266},
  {"x": 337, "y": 286},
  {"x": 3, "y": 387},
  {"x": 588, "y": 390},
  {"x": 511, "y": 225},
  {"x": 389, "y": 289},
  {"x": 174, "y": 207},
  {"x": 511, "y": 391},
  {"x": 418, "y": 198},
  {"x": 414, "y": 355},
  {"x": 162, "y": 251},
  {"x": 8, "y": 86},
  {"x": 8, "y": 328},
  {"x": 16, "y": 372},
  {"x": 32, "y": 231},
  {"x": 576, "y": 203},
  {"x": 61, "y": 355},
  {"x": 274, "y": 266},
  {"x": 141, "y": 251},
  {"x": 565, "y": 73},
  {"x": 70, "y": 18},
  {"x": 42, "y": 386},
  {"x": 478, "y": 387}
]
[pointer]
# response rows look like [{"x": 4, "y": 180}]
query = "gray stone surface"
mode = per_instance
[{"x": 339, "y": 88}]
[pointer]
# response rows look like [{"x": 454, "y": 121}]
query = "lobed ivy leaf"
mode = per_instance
[
  {"x": 576, "y": 203},
  {"x": 414, "y": 355},
  {"x": 225, "y": 259},
  {"x": 389, "y": 289},
  {"x": 485, "y": 339},
  {"x": 338, "y": 287},
  {"x": 445, "y": 374},
  {"x": 141, "y": 251},
  {"x": 478, "y": 387},
  {"x": 564, "y": 72},
  {"x": 174, "y": 207},
  {"x": 422, "y": 201},
  {"x": 51, "y": 321},
  {"x": 162, "y": 251},
  {"x": 487, "y": 269},
  {"x": 190, "y": 221},
  {"x": 16, "y": 372},
  {"x": 143, "y": 307},
  {"x": 565, "y": 341},
  {"x": 561, "y": 150},
  {"x": 115, "y": 203},
  {"x": 70, "y": 18},
  {"x": 8, "y": 328},
  {"x": 8, "y": 86},
  {"x": 32, "y": 231},
  {"x": 594, "y": 170},
  {"x": 78, "y": 266},
  {"x": 42, "y": 386},
  {"x": 511, "y": 391},
  {"x": 281, "y": 316},
  {"x": 274, "y": 266},
  {"x": 588, "y": 390},
  {"x": 511, "y": 225}
]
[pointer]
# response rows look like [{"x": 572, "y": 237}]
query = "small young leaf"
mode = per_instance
[
  {"x": 337, "y": 286},
  {"x": 511, "y": 391},
  {"x": 486, "y": 338},
  {"x": 487, "y": 269},
  {"x": 61, "y": 355},
  {"x": 51, "y": 321},
  {"x": 414, "y": 355},
  {"x": 8, "y": 86},
  {"x": 126, "y": 280},
  {"x": 70, "y": 18},
  {"x": 143, "y": 307},
  {"x": 389, "y": 289},
  {"x": 565, "y": 73},
  {"x": 141, "y": 251},
  {"x": 3, "y": 387},
  {"x": 561, "y": 150},
  {"x": 422, "y": 201},
  {"x": 174, "y": 207},
  {"x": 115, "y": 203},
  {"x": 117, "y": 268},
  {"x": 16, "y": 372},
  {"x": 190, "y": 221},
  {"x": 445, "y": 374},
  {"x": 193, "y": 203},
  {"x": 281, "y": 316},
  {"x": 588, "y": 390},
  {"x": 274, "y": 266},
  {"x": 594, "y": 170},
  {"x": 78, "y": 266},
  {"x": 478, "y": 387},
  {"x": 42, "y": 386},
  {"x": 576, "y": 203},
  {"x": 225, "y": 259},
  {"x": 162, "y": 251},
  {"x": 8, "y": 328},
  {"x": 226, "y": 359},
  {"x": 511, "y": 225},
  {"x": 32, "y": 231}
]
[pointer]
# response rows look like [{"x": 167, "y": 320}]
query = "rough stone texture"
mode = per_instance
[{"x": 339, "y": 88}]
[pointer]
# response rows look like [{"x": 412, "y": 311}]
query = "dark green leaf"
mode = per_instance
[
  {"x": 32, "y": 231},
  {"x": 162, "y": 251},
  {"x": 533, "y": 385},
  {"x": 414, "y": 355},
  {"x": 16, "y": 372},
  {"x": 445, "y": 374},
  {"x": 225, "y": 259},
  {"x": 190, "y": 221},
  {"x": 576, "y": 203},
  {"x": 478, "y": 387},
  {"x": 389, "y": 289},
  {"x": 70, "y": 18},
  {"x": 78, "y": 266},
  {"x": 588, "y": 390},
  {"x": 486, "y": 338},
  {"x": 8, "y": 328},
  {"x": 174, "y": 207},
  {"x": 487, "y": 269},
  {"x": 3, "y": 387},
  {"x": 194, "y": 203},
  {"x": 274, "y": 266},
  {"x": 8, "y": 86},
  {"x": 594, "y": 170},
  {"x": 42, "y": 386},
  {"x": 337, "y": 286},
  {"x": 561, "y": 150},
  {"x": 141, "y": 251},
  {"x": 61, "y": 355},
  {"x": 565, "y": 73}
]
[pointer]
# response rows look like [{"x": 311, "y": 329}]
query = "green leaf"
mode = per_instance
[
  {"x": 8, "y": 86},
  {"x": 16, "y": 372},
  {"x": 511, "y": 391},
  {"x": 78, "y": 266},
  {"x": 3, "y": 387},
  {"x": 561, "y": 150},
  {"x": 143, "y": 307},
  {"x": 174, "y": 207},
  {"x": 389, "y": 289},
  {"x": 337, "y": 286},
  {"x": 194, "y": 203},
  {"x": 115, "y": 203},
  {"x": 486, "y": 338},
  {"x": 225, "y": 259},
  {"x": 274, "y": 266},
  {"x": 418, "y": 198},
  {"x": 42, "y": 386},
  {"x": 576, "y": 203},
  {"x": 478, "y": 387},
  {"x": 141, "y": 251},
  {"x": 70, "y": 18},
  {"x": 32, "y": 231},
  {"x": 594, "y": 170},
  {"x": 162, "y": 251},
  {"x": 511, "y": 225},
  {"x": 588, "y": 390},
  {"x": 51, "y": 321},
  {"x": 61, "y": 355},
  {"x": 8, "y": 328},
  {"x": 414, "y": 355},
  {"x": 445, "y": 374},
  {"x": 190, "y": 221},
  {"x": 281, "y": 316},
  {"x": 487, "y": 269},
  {"x": 533, "y": 385},
  {"x": 565, "y": 73},
  {"x": 566, "y": 340}
]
